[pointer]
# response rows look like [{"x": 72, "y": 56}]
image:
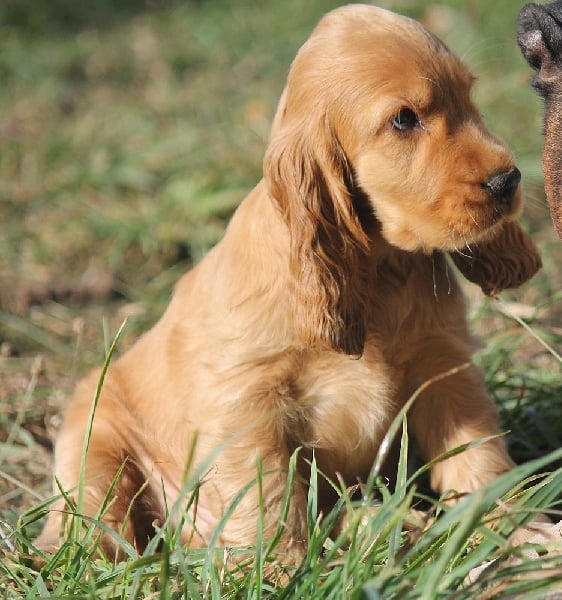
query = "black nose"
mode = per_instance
[{"x": 502, "y": 186}]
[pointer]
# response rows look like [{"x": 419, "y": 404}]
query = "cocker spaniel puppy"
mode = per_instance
[{"x": 328, "y": 302}]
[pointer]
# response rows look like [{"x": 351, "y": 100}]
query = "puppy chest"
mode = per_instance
[{"x": 343, "y": 412}]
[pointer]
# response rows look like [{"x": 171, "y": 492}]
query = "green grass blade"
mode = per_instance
[{"x": 91, "y": 416}]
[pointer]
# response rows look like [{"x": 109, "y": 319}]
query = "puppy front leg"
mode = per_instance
[
  {"x": 454, "y": 411},
  {"x": 457, "y": 410}
]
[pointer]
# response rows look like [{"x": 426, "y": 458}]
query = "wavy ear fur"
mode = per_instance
[
  {"x": 308, "y": 176},
  {"x": 507, "y": 260}
]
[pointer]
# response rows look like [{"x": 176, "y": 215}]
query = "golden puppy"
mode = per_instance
[{"x": 329, "y": 301}]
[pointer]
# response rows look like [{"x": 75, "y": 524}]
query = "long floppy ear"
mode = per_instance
[
  {"x": 308, "y": 176},
  {"x": 507, "y": 260}
]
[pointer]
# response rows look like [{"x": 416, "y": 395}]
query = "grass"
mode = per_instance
[
  {"x": 128, "y": 134},
  {"x": 389, "y": 552}
]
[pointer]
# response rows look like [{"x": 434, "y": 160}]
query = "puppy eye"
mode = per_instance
[{"x": 405, "y": 120}]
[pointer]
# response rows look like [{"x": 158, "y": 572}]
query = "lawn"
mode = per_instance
[{"x": 129, "y": 132}]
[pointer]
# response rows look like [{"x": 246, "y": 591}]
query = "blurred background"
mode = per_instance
[{"x": 129, "y": 132}]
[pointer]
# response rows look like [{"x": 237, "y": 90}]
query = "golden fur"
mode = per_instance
[{"x": 328, "y": 302}]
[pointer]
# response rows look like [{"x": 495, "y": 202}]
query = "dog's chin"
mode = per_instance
[
  {"x": 446, "y": 238},
  {"x": 487, "y": 233},
  {"x": 413, "y": 240}
]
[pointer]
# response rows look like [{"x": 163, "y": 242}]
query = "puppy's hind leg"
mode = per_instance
[{"x": 109, "y": 484}]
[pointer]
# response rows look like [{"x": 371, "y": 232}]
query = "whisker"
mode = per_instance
[
  {"x": 435, "y": 294},
  {"x": 448, "y": 276},
  {"x": 472, "y": 217}
]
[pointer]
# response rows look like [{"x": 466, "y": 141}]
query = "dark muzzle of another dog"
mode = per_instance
[{"x": 540, "y": 39}]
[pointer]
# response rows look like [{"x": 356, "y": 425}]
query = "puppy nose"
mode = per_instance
[{"x": 502, "y": 186}]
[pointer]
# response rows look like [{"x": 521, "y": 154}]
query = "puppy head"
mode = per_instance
[{"x": 377, "y": 107}]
